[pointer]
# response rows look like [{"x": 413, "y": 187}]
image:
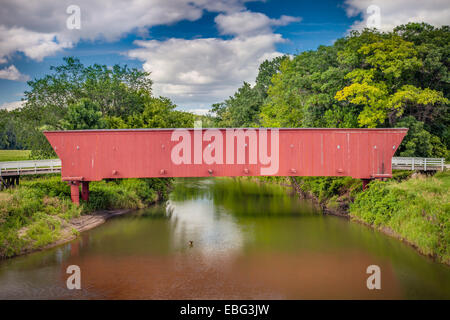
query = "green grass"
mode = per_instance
[
  {"x": 14, "y": 155},
  {"x": 4, "y": 196},
  {"x": 33, "y": 215},
  {"x": 417, "y": 210}
]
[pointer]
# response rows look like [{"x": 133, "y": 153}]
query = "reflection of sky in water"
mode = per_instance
[{"x": 197, "y": 221}]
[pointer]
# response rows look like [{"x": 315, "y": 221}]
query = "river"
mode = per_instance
[{"x": 249, "y": 241}]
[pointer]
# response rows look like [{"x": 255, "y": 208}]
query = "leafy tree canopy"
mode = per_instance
[
  {"x": 244, "y": 107},
  {"x": 367, "y": 79},
  {"x": 74, "y": 96}
]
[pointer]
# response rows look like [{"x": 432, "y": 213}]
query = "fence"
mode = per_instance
[
  {"x": 424, "y": 164},
  {"x": 11, "y": 168}
]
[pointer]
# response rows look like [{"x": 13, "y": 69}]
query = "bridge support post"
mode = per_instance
[
  {"x": 85, "y": 190},
  {"x": 75, "y": 191},
  {"x": 365, "y": 183}
]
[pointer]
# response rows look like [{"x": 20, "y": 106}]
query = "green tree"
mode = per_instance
[
  {"x": 244, "y": 107},
  {"x": 4, "y": 118},
  {"x": 10, "y": 125},
  {"x": 369, "y": 79},
  {"x": 377, "y": 85},
  {"x": 160, "y": 113},
  {"x": 419, "y": 142},
  {"x": 304, "y": 89},
  {"x": 118, "y": 92},
  {"x": 83, "y": 115}
]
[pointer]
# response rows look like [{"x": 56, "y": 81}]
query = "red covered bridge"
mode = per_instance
[{"x": 93, "y": 155}]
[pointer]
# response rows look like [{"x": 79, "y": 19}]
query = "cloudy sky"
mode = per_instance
[{"x": 198, "y": 51}]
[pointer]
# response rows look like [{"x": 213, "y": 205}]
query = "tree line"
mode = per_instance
[
  {"x": 368, "y": 79},
  {"x": 75, "y": 97}
]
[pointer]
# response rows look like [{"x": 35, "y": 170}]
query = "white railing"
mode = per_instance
[
  {"x": 54, "y": 165},
  {"x": 30, "y": 166},
  {"x": 411, "y": 163}
]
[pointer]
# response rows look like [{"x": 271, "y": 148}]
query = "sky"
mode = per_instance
[{"x": 198, "y": 51}]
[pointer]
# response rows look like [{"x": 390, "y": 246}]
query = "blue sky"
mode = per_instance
[{"x": 199, "y": 52}]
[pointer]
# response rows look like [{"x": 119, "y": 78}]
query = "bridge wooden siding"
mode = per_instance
[{"x": 93, "y": 155}]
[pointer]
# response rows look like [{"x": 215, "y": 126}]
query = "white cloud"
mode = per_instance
[
  {"x": 196, "y": 73},
  {"x": 394, "y": 13},
  {"x": 200, "y": 112},
  {"x": 247, "y": 23},
  {"x": 11, "y": 73},
  {"x": 38, "y": 28},
  {"x": 35, "y": 45},
  {"x": 12, "y": 105}
]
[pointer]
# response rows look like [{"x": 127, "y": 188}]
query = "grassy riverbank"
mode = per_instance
[
  {"x": 414, "y": 209},
  {"x": 34, "y": 215}
]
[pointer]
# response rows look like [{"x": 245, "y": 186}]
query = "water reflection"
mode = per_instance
[{"x": 249, "y": 241}]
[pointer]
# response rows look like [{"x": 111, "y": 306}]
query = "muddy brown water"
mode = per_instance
[{"x": 249, "y": 241}]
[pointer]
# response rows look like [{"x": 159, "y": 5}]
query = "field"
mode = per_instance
[{"x": 14, "y": 155}]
